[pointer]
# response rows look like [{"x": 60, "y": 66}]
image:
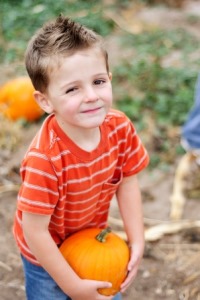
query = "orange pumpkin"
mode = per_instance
[
  {"x": 98, "y": 255},
  {"x": 17, "y": 101}
]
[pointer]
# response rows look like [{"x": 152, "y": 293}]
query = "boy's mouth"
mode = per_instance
[{"x": 92, "y": 110}]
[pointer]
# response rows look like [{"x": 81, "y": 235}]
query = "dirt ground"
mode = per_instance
[{"x": 170, "y": 268}]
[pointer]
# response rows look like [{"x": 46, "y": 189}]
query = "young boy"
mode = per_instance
[{"x": 84, "y": 153}]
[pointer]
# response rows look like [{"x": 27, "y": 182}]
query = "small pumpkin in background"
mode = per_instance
[
  {"x": 17, "y": 101},
  {"x": 98, "y": 254}
]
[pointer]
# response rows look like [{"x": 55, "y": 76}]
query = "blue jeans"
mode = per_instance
[
  {"x": 191, "y": 128},
  {"x": 40, "y": 285}
]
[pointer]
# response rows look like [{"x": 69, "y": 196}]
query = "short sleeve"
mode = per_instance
[
  {"x": 136, "y": 157},
  {"x": 39, "y": 189}
]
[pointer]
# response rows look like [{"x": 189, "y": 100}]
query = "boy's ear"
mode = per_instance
[
  {"x": 110, "y": 76},
  {"x": 43, "y": 102}
]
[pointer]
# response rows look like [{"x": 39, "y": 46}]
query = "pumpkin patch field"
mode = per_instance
[{"x": 154, "y": 55}]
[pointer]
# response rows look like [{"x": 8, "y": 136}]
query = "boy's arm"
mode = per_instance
[
  {"x": 130, "y": 206},
  {"x": 47, "y": 253}
]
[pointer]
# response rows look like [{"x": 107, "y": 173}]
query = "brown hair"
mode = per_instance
[{"x": 57, "y": 39}]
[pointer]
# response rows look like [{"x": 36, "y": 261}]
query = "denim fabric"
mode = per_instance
[
  {"x": 118, "y": 297},
  {"x": 191, "y": 128},
  {"x": 40, "y": 286}
]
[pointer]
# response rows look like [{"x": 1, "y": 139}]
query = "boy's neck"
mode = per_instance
[{"x": 86, "y": 139}]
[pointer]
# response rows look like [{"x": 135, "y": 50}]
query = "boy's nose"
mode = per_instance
[{"x": 90, "y": 95}]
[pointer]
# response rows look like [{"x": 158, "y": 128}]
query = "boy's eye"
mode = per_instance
[
  {"x": 99, "y": 81},
  {"x": 70, "y": 90}
]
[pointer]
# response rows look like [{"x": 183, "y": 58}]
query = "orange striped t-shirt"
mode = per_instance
[{"x": 71, "y": 185}]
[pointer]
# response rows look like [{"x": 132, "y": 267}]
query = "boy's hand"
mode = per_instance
[
  {"x": 133, "y": 265},
  {"x": 88, "y": 289}
]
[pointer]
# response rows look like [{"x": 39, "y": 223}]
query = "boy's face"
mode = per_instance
[{"x": 80, "y": 91}]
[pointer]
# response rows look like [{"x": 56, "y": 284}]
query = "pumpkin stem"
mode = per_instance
[{"x": 101, "y": 237}]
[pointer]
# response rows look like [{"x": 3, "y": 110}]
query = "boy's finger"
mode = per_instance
[{"x": 104, "y": 284}]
